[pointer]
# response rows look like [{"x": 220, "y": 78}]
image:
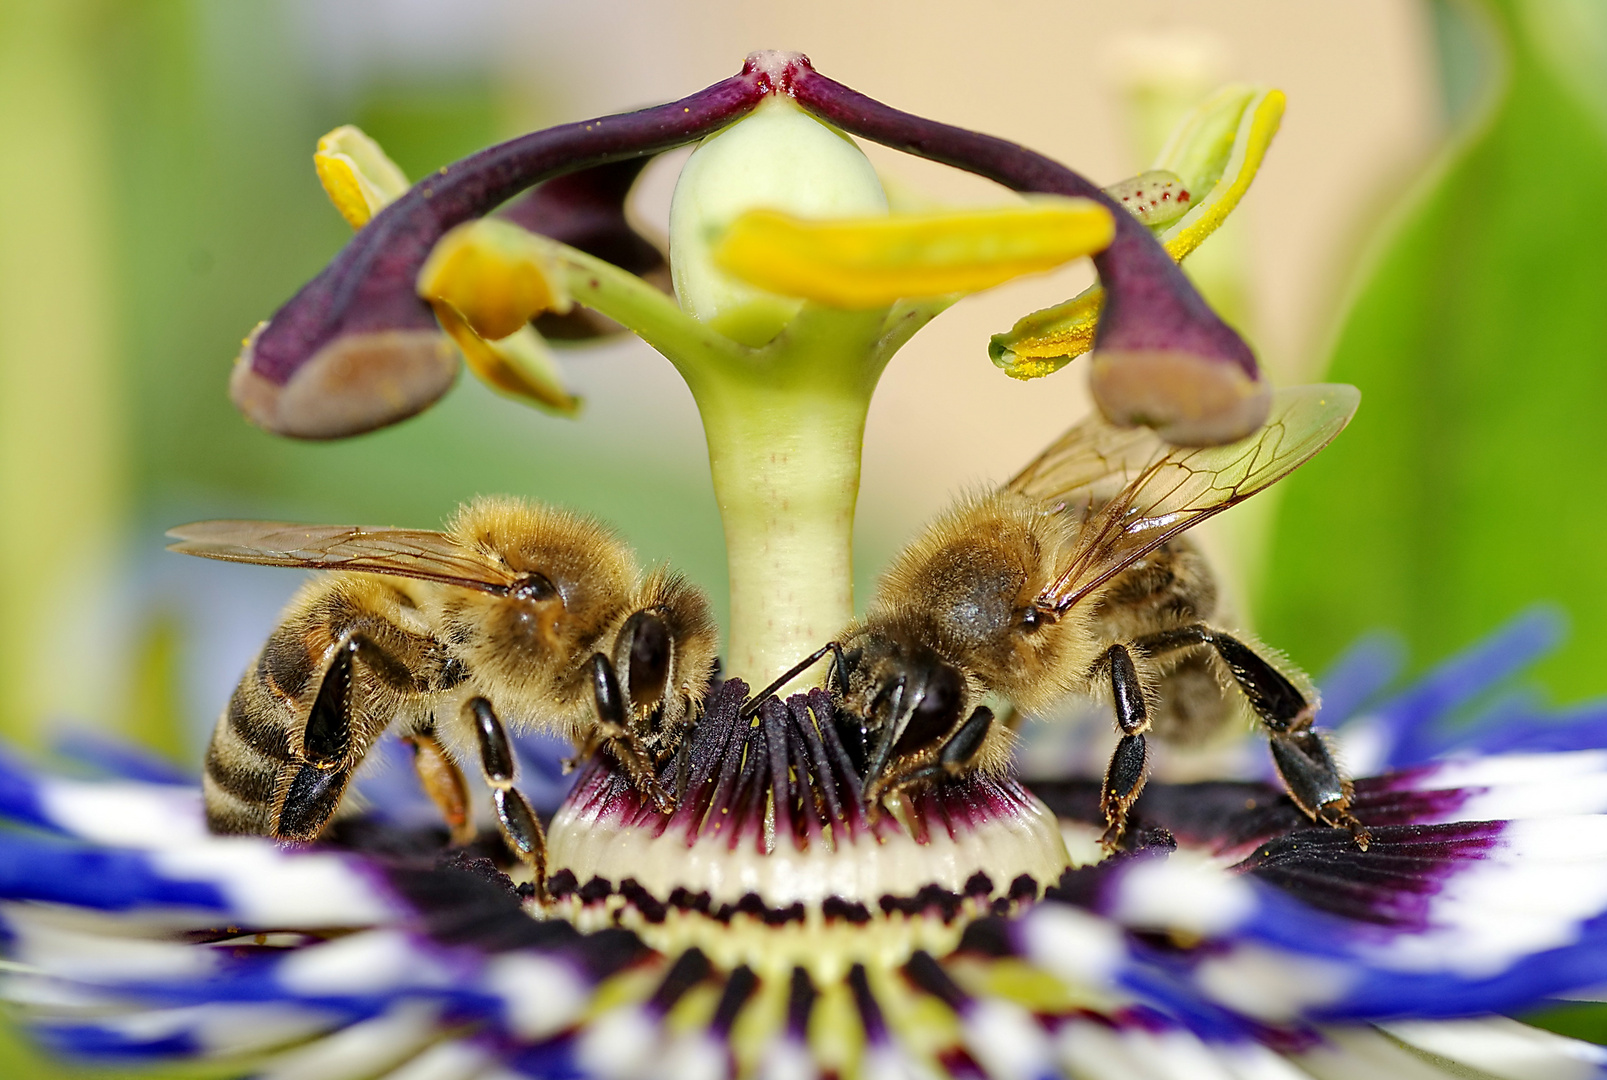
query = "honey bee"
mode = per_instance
[
  {"x": 517, "y": 610},
  {"x": 1074, "y": 577}
]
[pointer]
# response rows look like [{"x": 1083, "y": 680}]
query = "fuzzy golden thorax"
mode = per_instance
[
  {"x": 576, "y": 581},
  {"x": 966, "y": 588}
]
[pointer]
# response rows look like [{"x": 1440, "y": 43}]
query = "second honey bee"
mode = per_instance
[
  {"x": 517, "y": 611},
  {"x": 1075, "y": 578}
]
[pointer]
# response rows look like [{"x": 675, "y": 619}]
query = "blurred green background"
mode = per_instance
[{"x": 157, "y": 200}]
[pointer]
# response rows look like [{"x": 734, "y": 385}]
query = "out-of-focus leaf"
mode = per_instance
[{"x": 1474, "y": 479}]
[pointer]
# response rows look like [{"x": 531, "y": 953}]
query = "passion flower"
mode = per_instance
[{"x": 1232, "y": 938}]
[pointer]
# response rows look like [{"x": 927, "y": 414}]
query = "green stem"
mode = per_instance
[
  {"x": 648, "y": 312},
  {"x": 786, "y": 475},
  {"x": 785, "y": 425},
  {"x": 786, "y": 429},
  {"x": 904, "y": 320}
]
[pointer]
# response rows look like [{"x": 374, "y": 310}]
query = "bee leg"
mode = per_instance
[
  {"x": 327, "y": 755},
  {"x": 613, "y": 730},
  {"x": 682, "y": 768},
  {"x": 444, "y": 783},
  {"x": 953, "y": 760},
  {"x": 962, "y": 747},
  {"x": 839, "y": 671},
  {"x": 518, "y": 822},
  {"x": 897, "y": 697},
  {"x": 1124, "y": 776},
  {"x": 311, "y": 800},
  {"x": 1300, "y": 752}
]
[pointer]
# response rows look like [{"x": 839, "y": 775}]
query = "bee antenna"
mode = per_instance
[
  {"x": 839, "y": 668},
  {"x": 753, "y": 703}
]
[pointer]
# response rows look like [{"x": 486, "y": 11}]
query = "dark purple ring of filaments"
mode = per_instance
[
  {"x": 369, "y": 287},
  {"x": 789, "y": 778}
]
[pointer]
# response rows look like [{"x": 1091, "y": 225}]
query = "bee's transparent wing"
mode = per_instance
[
  {"x": 1133, "y": 491},
  {"x": 415, "y": 553},
  {"x": 1089, "y": 465}
]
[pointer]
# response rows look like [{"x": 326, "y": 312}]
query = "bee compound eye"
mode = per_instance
[
  {"x": 934, "y": 715},
  {"x": 534, "y": 586},
  {"x": 649, "y": 659}
]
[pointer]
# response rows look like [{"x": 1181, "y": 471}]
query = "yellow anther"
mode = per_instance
[
  {"x": 1258, "y": 124},
  {"x": 871, "y": 262},
  {"x": 495, "y": 275},
  {"x": 519, "y": 366},
  {"x": 486, "y": 280},
  {"x": 1216, "y": 151},
  {"x": 357, "y": 176}
]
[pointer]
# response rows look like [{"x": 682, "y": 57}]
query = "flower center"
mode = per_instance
[{"x": 770, "y": 860}]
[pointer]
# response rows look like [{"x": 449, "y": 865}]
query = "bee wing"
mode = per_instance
[
  {"x": 1133, "y": 491},
  {"x": 415, "y": 553}
]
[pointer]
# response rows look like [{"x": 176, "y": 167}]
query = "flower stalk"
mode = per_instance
[{"x": 785, "y": 429}]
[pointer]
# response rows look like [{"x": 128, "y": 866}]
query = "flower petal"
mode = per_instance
[
  {"x": 1504, "y": 1048},
  {"x": 871, "y": 262},
  {"x": 1420, "y": 723}
]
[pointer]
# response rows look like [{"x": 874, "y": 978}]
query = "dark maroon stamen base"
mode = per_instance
[
  {"x": 792, "y": 768},
  {"x": 369, "y": 285}
]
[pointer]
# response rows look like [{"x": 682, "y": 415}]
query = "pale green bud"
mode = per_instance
[{"x": 778, "y": 158}]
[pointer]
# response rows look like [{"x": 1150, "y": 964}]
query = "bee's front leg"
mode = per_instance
[
  {"x": 1124, "y": 776},
  {"x": 955, "y": 759},
  {"x": 518, "y": 822},
  {"x": 613, "y": 730}
]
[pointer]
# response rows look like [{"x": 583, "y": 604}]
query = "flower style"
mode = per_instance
[{"x": 1233, "y": 940}]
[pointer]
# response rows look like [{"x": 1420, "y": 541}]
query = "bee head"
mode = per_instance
[
  {"x": 904, "y": 698},
  {"x": 969, "y": 586},
  {"x": 571, "y": 578},
  {"x": 663, "y": 655}
]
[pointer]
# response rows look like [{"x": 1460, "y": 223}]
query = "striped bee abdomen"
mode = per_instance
[
  {"x": 247, "y": 757},
  {"x": 330, "y": 679}
]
